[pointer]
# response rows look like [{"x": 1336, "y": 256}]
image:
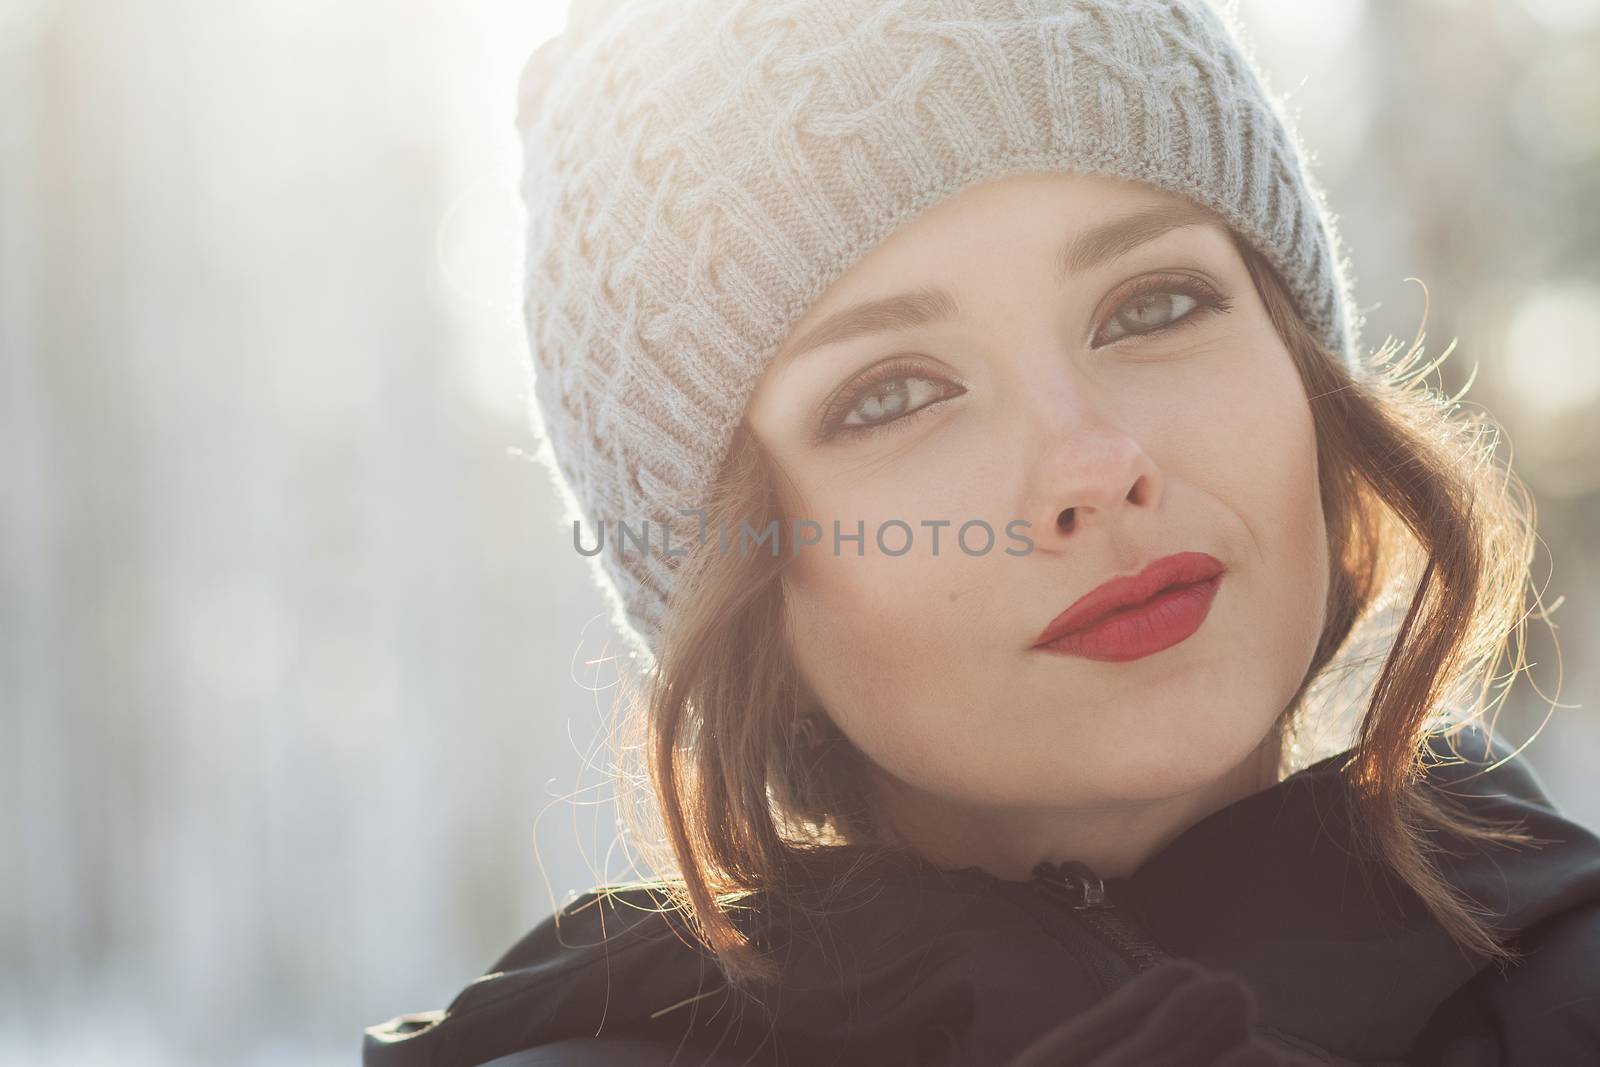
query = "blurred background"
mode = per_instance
[{"x": 302, "y": 686}]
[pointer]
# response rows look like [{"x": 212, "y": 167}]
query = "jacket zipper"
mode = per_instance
[
  {"x": 1085, "y": 893},
  {"x": 1083, "y": 890}
]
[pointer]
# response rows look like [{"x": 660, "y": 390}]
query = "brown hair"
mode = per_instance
[{"x": 1410, "y": 494}]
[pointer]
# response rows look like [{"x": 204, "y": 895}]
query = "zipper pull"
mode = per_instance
[
  {"x": 1074, "y": 880},
  {"x": 1085, "y": 892}
]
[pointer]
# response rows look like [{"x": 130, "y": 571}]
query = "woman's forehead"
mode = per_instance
[
  {"x": 1073, "y": 211},
  {"x": 920, "y": 274}
]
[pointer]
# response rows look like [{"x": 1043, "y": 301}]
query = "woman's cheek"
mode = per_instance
[
  {"x": 878, "y": 635},
  {"x": 1275, "y": 489}
]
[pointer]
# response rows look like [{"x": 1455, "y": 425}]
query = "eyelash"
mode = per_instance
[{"x": 1207, "y": 300}]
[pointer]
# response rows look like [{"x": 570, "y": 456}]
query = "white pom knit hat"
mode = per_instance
[{"x": 697, "y": 172}]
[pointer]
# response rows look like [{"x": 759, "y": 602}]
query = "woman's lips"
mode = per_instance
[
  {"x": 1136, "y": 615},
  {"x": 1161, "y": 622}
]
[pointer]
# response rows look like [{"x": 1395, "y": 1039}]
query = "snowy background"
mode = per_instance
[{"x": 301, "y": 682}]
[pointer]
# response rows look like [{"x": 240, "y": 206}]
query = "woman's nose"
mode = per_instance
[{"x": 1086, "y": 471}]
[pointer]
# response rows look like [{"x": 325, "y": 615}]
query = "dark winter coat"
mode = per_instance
[{"x": 931, "y": 967}]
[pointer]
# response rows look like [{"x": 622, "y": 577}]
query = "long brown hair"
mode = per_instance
[{"x": 1418, "y": 514}]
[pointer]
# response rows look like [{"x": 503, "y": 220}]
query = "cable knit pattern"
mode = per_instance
[{"x": 697, "y": 172}]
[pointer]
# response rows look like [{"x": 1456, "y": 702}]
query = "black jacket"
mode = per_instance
[{"x": 930, "y": 967}]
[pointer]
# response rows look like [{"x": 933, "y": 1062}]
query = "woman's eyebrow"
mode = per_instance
[{"x": 903, "y": 311}]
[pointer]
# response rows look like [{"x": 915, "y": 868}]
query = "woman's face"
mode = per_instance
[{"x": 1076, "y": 382}]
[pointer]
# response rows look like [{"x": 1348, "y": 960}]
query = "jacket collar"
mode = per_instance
[{"x": 1272, "y": 887}]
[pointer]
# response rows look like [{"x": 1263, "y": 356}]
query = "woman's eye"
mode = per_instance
[
  {"x": 1152, "y": 311},
  {"x": 1155, "y": 310},
  {"x": 888, "y": 398}
]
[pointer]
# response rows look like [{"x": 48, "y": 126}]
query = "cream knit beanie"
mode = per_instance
[{"x": 697, "y": 172}]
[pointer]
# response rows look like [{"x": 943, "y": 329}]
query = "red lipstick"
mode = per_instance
[{"x": 1129, "y": 617}]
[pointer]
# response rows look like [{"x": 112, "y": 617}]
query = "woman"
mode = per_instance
[{"x": 961, "y": 401}]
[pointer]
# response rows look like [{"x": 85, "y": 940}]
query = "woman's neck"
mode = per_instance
[{"x": 1114, "y": 841}]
